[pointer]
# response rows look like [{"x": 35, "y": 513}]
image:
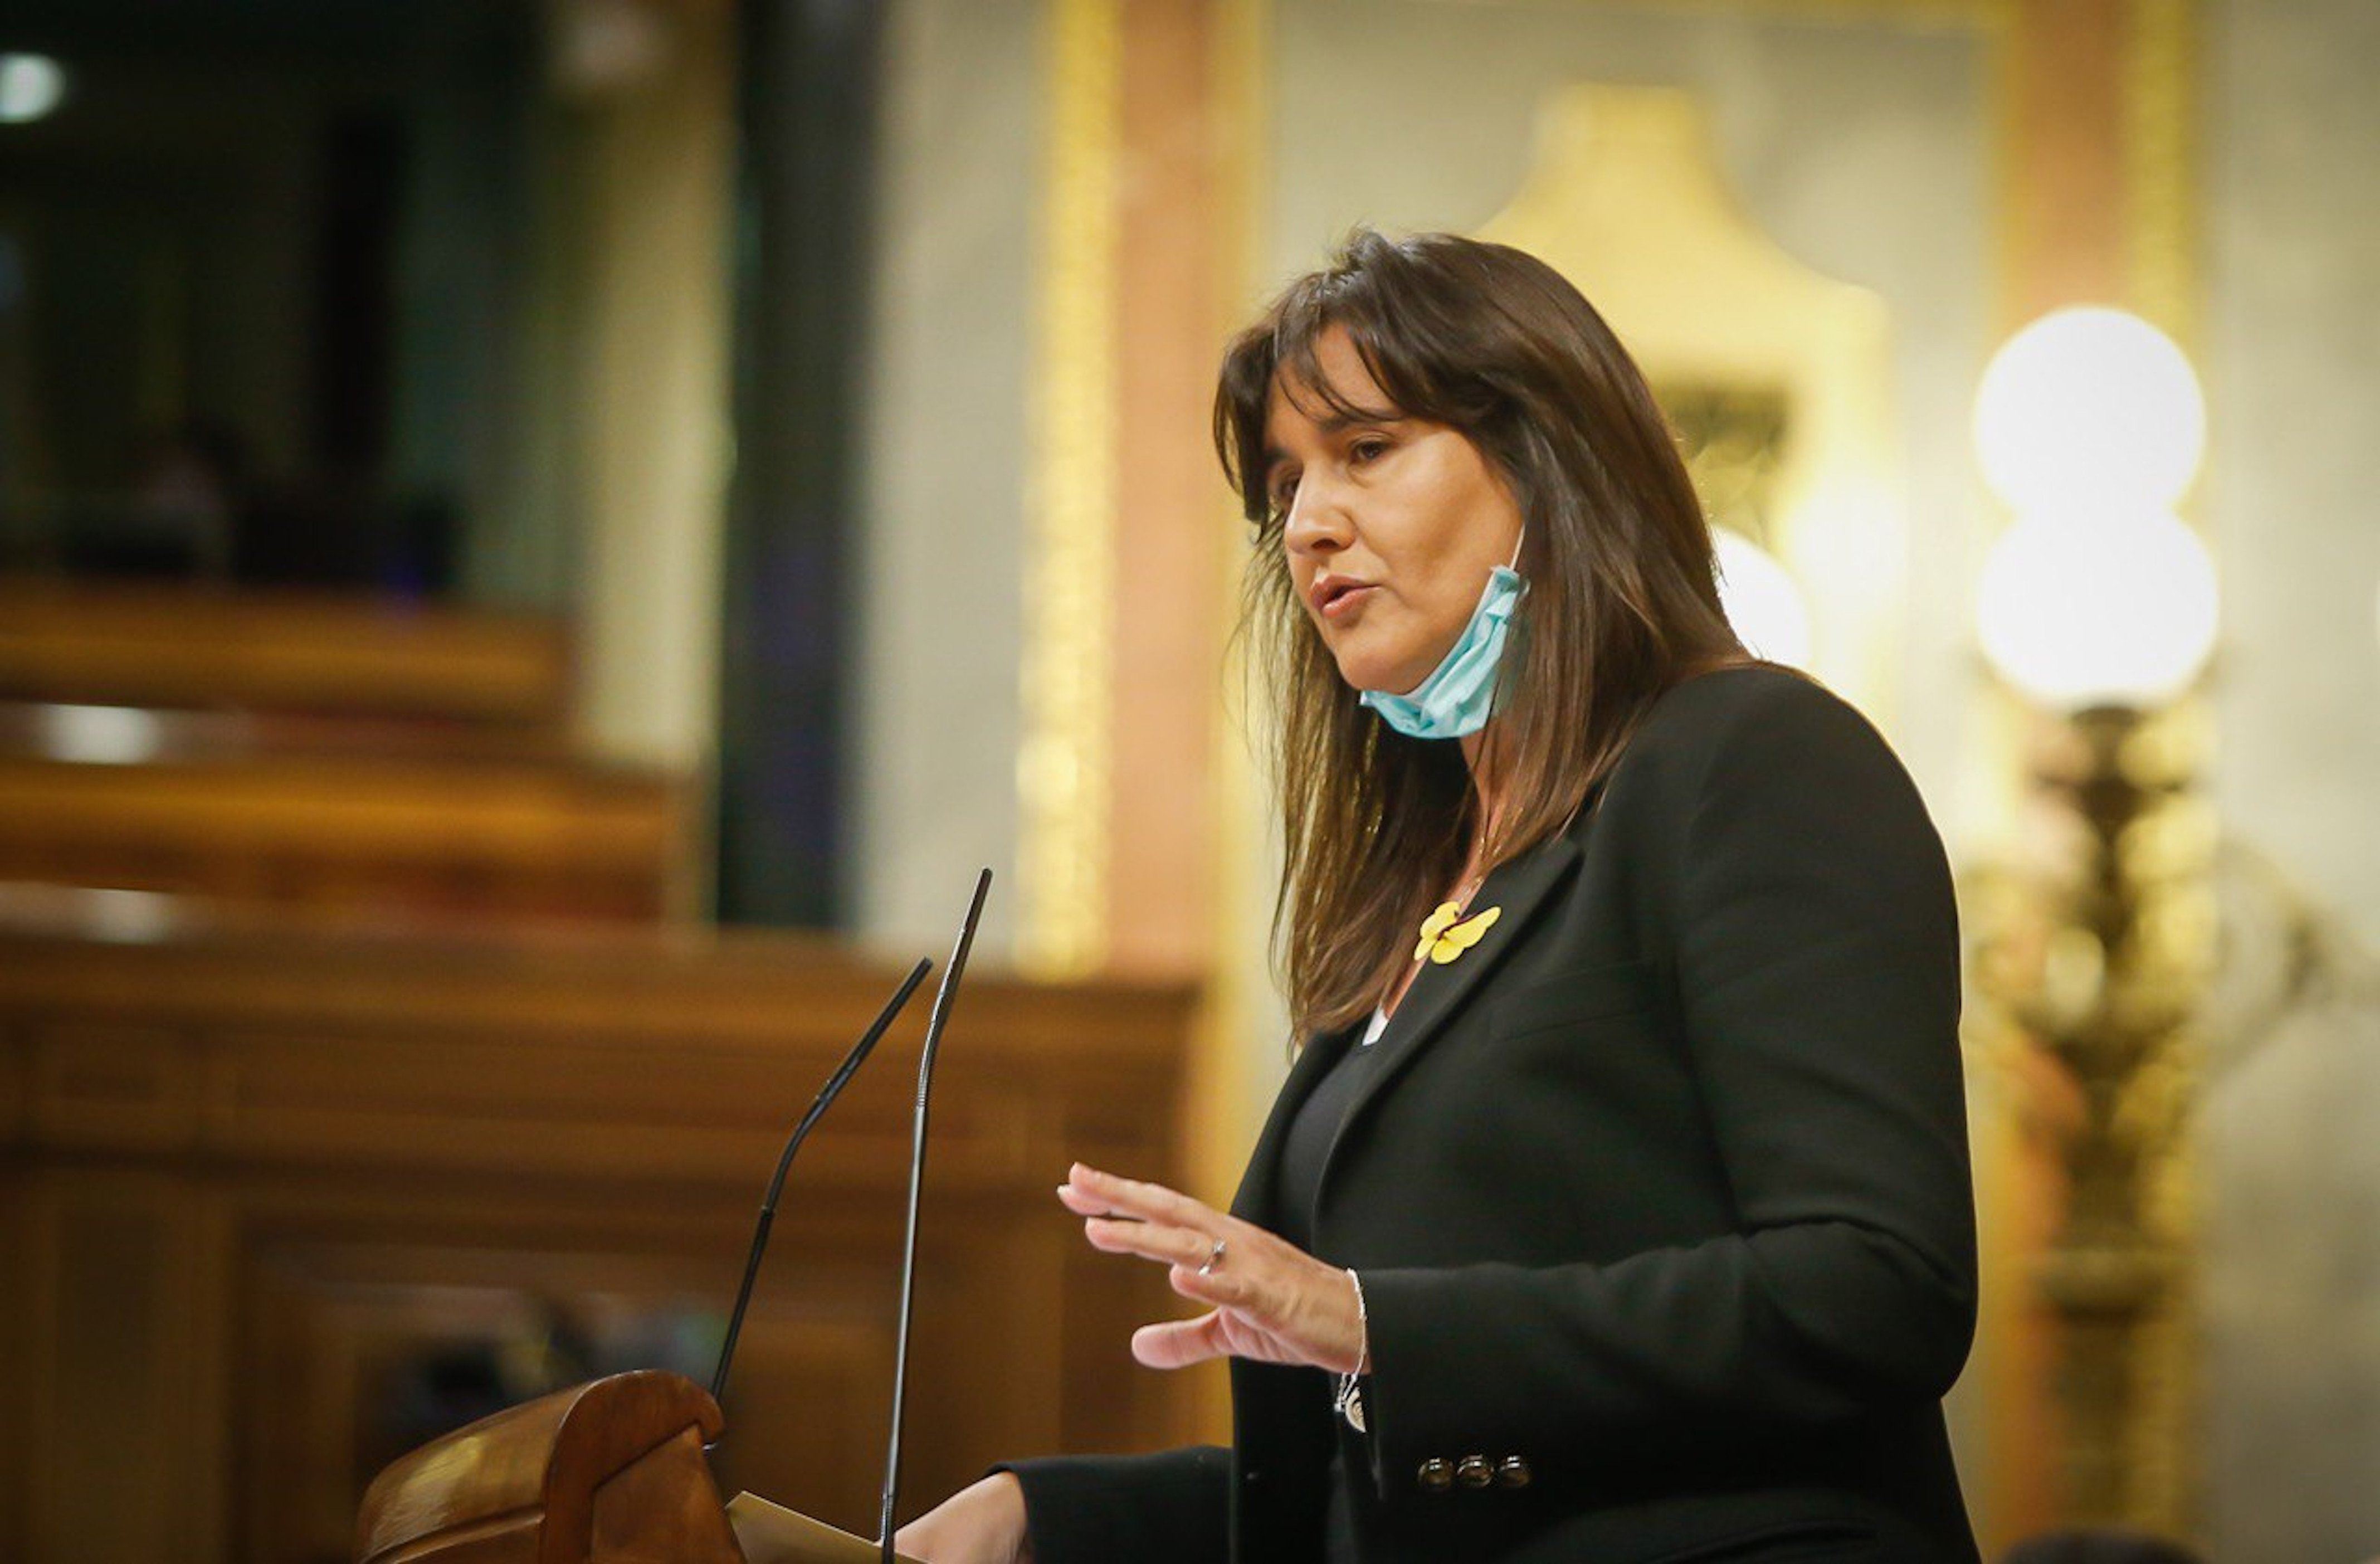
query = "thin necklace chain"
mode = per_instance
[{"x": 1469, "y": 885}]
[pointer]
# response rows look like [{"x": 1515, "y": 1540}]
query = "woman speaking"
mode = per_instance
[{"x": 1617, "y": 1205}]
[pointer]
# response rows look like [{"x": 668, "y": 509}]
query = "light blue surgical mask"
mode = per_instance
[{"x": 1460, "y": 694}]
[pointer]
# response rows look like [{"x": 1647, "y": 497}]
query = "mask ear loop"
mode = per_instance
[{"x": 1489, "y": 741}]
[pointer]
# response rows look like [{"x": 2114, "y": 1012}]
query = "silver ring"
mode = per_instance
[{"x": 1214, "y": 1258}]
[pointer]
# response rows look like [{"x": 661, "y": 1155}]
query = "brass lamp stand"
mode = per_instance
[
  {"x": 2118, "y": 957},
  {"x": 2098, "y": 607}
]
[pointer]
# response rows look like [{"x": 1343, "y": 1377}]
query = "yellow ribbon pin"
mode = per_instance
[{"x": 1446, "y": 933}]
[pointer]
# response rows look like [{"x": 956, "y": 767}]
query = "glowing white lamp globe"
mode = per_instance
[
  {"x": 2090, "y": 409},
  {"x": 32, "y": 87},
  {"x": 2117, "y": 609},
  {"x": 1761, "y": 598}
]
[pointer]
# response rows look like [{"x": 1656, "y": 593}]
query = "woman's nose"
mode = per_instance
[{"x": 1317, "y": 524}]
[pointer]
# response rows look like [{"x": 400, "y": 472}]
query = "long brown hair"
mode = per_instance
[{"x": 1622, "y": 601}]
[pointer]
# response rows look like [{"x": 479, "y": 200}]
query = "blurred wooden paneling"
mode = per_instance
[
  {"x": 325, "y": 831},
  {"x": 268, "y": 1187},
  {"x": 317, "y": 751},
  {"x": 182, "y": 647}
]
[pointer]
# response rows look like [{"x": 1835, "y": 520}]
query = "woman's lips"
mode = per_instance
[{"x": 1340, "y": 601}]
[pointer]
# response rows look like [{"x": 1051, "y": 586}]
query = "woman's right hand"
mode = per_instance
[{"x": 981, "y": 1524}]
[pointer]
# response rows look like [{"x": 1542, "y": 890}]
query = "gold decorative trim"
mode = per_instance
[
  {"x": 1908, "y": 13},
  {"x": 1063, "y": 763},
  {"x": 1241, "y": 998},
  {"x": 2158, "y": 106}
]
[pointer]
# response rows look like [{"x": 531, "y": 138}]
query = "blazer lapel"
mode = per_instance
[{"x": 1438, "y": 992}]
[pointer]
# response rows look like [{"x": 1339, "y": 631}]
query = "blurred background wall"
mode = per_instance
[{"x": 2292, "y": 239}]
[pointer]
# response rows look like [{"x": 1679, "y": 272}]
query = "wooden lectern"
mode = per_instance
[{"x": 608, "y": 1473}]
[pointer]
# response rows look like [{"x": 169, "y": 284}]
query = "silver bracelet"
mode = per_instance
[
  {"x": 1362, "y": 1325},
  {"x": 1348, "y": 1401}
]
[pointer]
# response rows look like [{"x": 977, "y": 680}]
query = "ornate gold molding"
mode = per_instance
[
  {"x": 1063, "y": 755},
  {"x": 2160, "y": 103},
  {"x": 1908, "y": 13}
]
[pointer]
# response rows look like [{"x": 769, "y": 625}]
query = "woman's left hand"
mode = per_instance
[{"x": 1269, "y": 1301}]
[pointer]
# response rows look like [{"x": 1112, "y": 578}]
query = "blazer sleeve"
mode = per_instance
[
  {"x": 1814, "y": 941},
  {"x": 1170, "y": 1508}
]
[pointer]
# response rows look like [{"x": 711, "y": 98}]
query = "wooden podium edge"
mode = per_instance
[{"x": 525, "y": 1478}]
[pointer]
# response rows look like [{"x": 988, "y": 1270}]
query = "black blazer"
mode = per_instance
[{"x": 1660, "y": 1196}]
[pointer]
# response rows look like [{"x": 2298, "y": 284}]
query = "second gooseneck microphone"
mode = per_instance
[
  {"x": 827, "y": 1094},
  {"x": 939, "y": 1018}
]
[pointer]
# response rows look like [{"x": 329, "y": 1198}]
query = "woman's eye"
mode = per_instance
[
  {"x": 1283, "y": 491},
  {"x": 1364, "y": 451}
]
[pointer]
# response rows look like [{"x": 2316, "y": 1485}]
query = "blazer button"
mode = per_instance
[
  {"x": 1474, "y": 1472},
  {"x": 1435, "y": 1474},
  {"x": 1513, "y": 1472}
]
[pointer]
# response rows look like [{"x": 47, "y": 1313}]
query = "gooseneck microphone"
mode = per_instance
[
  {"x": 941, "y": 1017},
  {"x": 827, "y": 1094}
]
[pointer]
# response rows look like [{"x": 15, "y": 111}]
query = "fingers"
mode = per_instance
[
  {"x": 1078, "y": 1198},
  {"x": 1179, "y": 1343},
  {"x": 1125, "y": 1217},
  {"x": 1269, "y": 1299},
  {"x": 1213, "y": 1257},
  {"x": 1173, "y": 1247},
  {"x": 1223, "y": 1287},
  {"x": 1090, "y": 1192},
  {"x": 1186, "y": 1255}
]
